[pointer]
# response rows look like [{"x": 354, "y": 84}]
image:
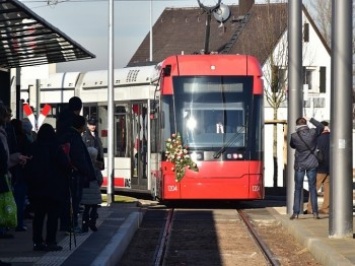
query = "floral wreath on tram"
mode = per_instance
[{"x": 179, "y": 156}]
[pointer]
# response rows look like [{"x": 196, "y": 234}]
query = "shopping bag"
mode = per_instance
[{"x": 8, "y": 210}]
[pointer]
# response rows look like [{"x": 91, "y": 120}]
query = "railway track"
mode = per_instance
[
  {"x": 216, "y": 237},
  {"x": 161, "y": 254}
]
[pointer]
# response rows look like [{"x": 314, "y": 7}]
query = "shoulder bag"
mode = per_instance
[{"x": 316, "y": 152}]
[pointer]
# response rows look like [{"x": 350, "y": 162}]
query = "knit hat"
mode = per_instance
[{"x": 75, "y": 103}]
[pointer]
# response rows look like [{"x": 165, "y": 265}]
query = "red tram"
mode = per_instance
[{"x": 197, "y": 91}]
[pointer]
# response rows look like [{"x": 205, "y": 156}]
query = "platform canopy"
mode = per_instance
[{"x": 28, "y": 40}]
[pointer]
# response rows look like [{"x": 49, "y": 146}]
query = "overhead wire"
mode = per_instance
[
  {"x": 56, "y": 2},
  {"x": 84, "y": 1}
]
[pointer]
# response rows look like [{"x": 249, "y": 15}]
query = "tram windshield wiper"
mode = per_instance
[{"x": 232, "y": 139}]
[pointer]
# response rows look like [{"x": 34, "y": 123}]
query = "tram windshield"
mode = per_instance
[{"x": 210, "y": 111}]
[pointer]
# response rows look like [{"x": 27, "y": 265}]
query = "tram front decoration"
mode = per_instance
[{"x": 179, "y": 157}]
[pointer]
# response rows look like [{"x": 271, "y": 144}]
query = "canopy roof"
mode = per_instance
[{"x": 27, "y": 39}]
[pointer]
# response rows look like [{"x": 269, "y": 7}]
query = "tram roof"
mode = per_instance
[
  {"x": 28, "y": 40},
  {"x": 67, "y": 80},
  {"x": 122, "y": 76}
]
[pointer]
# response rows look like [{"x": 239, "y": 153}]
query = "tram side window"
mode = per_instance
[
  {"x": 89, "y": 111},
  {"x": 154, "y": 125},
  {"x": 121, "y": 134},
  {"x": 167, "y": 119}
]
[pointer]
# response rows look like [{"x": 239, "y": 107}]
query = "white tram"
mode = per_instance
[{"x": 134, "y": 93}]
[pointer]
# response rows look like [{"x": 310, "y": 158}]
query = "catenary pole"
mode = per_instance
[
  {"x": 341, "y": 178},
  {"x": 110, "y": 144},
  {"x": 294, "y": 100}
]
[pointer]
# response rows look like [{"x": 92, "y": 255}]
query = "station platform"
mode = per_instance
[
  {"x": 116, "y": 226},
  {"x": 313, "y": 235}
]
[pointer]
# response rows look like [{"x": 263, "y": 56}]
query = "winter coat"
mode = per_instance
[
  {"x": 91, "y": 141},
  {"x": 80, "y": 158},
  {"x": 304, "y": 158},
  {"x": 323, "y": 143},
  {"x": 48, "y": 172},
  {"x": 92, "y": 194}
]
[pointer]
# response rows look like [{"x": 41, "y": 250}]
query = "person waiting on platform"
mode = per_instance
[
  {"x": 47, "y": 187},
  {"x": 304, "y": 141},
  {"x": 91, "y": 139},
  {"x": 323, "y": 144}
]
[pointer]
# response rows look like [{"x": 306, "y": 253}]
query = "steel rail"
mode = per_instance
[
  {"x": 269, "y": 255},
  {"x": 160, "y": 254}
]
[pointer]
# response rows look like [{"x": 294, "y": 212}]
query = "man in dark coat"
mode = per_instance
[
  {"x": 63, "y": 125},
  {"x": 83, "y": 170},
  {"x": 304, "y": 141},
  {"x": 92, "y": 139}
]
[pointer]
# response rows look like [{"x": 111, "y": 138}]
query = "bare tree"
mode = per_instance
[
  {"x": 272, "y": 38},
  {"x": 322, "y": 10},
  {"x": 275, "y": 73}
]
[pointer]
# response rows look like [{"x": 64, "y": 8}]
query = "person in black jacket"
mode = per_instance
[
  {"x": 323, "y": 144},
  {"x": 47, "y": 186},
  {"x": 83, "y": 170},
  {"x": 304, "y": 141},
  {"x": 63, "y": 126},
  {"x": 91, "y": 139}
]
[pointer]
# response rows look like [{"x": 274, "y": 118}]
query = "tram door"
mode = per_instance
[
  {"x": 140, "y": 132},
  {"x": 121, "y": 142}
]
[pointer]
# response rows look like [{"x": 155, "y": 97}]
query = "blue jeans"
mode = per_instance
[{"x": 312, "y": 177}]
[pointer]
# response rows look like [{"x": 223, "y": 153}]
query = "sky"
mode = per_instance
[{"x": 86, "y": 22}]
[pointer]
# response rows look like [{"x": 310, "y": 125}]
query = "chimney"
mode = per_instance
[{"x": 245, "y": 5}]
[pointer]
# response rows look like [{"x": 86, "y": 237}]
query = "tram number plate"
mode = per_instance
[
  {"x": 172, "y": 188},
  {"x": 255, "y": 188}
]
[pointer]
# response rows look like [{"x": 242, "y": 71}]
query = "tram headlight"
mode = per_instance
[
  {"x": 234, "y": 156},
  {"x": 191, "y": 123}
]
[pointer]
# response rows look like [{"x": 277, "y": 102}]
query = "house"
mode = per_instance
[{"x": 259, "y": 30}]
